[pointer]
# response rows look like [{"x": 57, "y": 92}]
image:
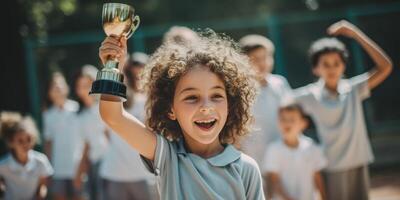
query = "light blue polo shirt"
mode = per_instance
[
  {"x": 182, "y": 175},
  {"x": 339, "y": 119}
]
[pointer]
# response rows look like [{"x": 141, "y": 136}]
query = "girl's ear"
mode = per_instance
[{"x": 171, "y": 114}]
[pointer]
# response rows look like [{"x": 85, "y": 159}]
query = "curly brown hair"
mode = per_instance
[
  {"x": 12, "y": 123},
  {"x": 221, "y": 55}
]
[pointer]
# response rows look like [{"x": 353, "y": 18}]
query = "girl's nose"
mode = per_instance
[{"x": 206, "y": 108}]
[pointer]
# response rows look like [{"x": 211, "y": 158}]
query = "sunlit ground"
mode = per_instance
[{"x": 385, "y": 185}]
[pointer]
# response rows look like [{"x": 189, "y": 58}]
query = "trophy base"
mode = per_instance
[{"x": 109, "y": 87}]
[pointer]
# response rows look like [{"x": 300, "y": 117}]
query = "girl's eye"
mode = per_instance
[
  {"x": 190, "y": 99},
  {"x": 217, "y": 97}
]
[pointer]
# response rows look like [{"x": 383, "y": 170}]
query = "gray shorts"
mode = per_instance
[
  {"x": 64, "y": 187},
  {"x": 347, "y": 185},
  {"x": 127, "y": 190}
]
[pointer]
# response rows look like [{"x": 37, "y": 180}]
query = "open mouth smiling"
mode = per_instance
[{"x": 206, "y": 124}]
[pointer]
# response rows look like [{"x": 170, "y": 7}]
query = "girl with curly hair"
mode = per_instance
[
  {"x": 24, "y": 172},
  {"x": 199, "y": 99}
]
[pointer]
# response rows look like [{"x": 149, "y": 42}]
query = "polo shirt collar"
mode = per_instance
[
  {"x": 228, "y": 156},
  {"x": 16, "y": 166},
  {"x": 343, "y": 88}
]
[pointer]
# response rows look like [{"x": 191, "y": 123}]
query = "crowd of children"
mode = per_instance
[{"x": 190, "y": 130}]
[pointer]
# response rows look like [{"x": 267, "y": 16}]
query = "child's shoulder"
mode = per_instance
[
  {"x": 71, "y": 105},
  {"x": 309, "y": 144},
  {"x": 309, "y": 90},
  {"x": 247, "y": 164},
  {"x": 38, "y": 156},
  {"x": 276, "y": 79}
]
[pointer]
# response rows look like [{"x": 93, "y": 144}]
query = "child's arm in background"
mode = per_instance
[
  {"x": 83, "y": 167},
  {"x": 319, "y": 184},
  {"x": 112, "y": 112},
  {"x": 277, "y": 186},
  {"x": 2, "y": 187},
  {"x": 41, "y": 192},
  {"x": 383, "y": 63},
  {"x": 47, "y": 148}
]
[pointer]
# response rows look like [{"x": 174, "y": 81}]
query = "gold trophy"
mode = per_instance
[{"x": 118, "y": 21}]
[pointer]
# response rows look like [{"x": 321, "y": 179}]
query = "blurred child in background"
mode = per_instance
[
  {"x": 335, "y": 105},
  {"x": 24, "y": 172},
  {"x": 274, "y": 89},
  {"x": 64, "y": 144},
  {"x": 293, "y": 164}
]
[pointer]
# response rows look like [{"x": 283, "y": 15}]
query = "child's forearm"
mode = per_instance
[
  {"x": 111, "y": 109},
  {"x": 47, "y": 149},
  {"x": 277, "y": 186},
  {"x": 41, "y": 192},
  {"x": 319, "y": 184},
  {"x": 383, "y": 64},
  {"x": 380, "y": 58},
  {"x": 83, "y": 166},
  {"x": 128, "y": 127}
]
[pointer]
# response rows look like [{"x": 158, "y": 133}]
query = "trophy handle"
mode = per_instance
[{"x": 135, "y": 25}]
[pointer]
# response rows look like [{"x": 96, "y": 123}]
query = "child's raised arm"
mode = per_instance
[
  {"x": 112, "y": 112},
  {"x": 382, "y": 61}
]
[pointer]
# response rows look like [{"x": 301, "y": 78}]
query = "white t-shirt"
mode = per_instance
[
  {"x": 22, "y": 181},
  {"x": 296, "y": 166},
  {"x": 265, "y": 111},
  {"x": 339, "y": 120},
  {"x": 61, "y": 127},
  {"x": 122, "y": 163},
  {"x": 93, "y": 130}
]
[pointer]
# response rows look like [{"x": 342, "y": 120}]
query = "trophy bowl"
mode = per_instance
[{"x": 118, "y": 20}]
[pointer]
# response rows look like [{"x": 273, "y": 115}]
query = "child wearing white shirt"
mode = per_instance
[
  {"x": 64, "y": 145},
  {"x": 23, "y": 172},
  {"x": 293, "y": 164},
  {"x": 274, "y": 89}
]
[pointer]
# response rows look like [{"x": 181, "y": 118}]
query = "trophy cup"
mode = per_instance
[{"x": 118, "y": 21}]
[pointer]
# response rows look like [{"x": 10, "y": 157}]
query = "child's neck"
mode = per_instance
[
  {"x": 263, "y": 80},
  {"x": 331, "y": 87},
  {"x": 292, "y": 142},
  {"x": 20, "y": 158},
  {"x": 60, "y": 104},
  {"x": 203, "y": 150}
]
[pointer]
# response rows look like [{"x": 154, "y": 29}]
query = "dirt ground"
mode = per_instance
[{"x": 385, "y": 184}]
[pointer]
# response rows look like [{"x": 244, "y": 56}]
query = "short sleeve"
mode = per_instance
[
  {"x": 359, "y": 84},
  {"x": 303, "y": 96},
  {"x": 252, "y": 179},
  {"x": 46, "y": 169},
  {"x": 319, "y": 159},
  {"x": 271, "y": 160},
  {"x": 161, "y": 158},
  {"x": 287, "y": 93},
  {"x": 47, "y": 127}
]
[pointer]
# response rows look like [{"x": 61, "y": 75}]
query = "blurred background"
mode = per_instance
[{"x": 43, "y": 36}]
